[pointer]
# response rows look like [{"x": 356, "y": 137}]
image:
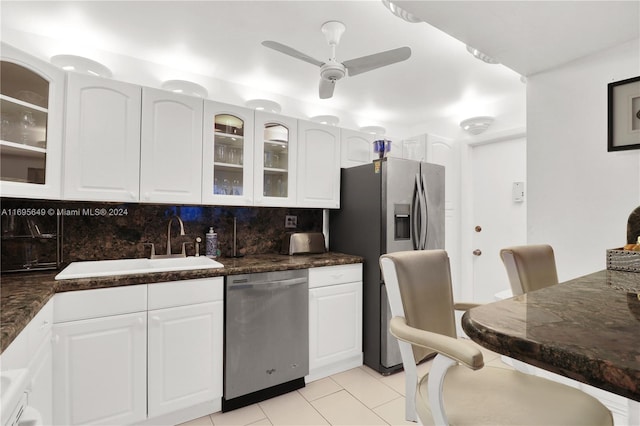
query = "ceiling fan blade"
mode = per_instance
[
  {"x": 377, "y": 60},
  {"x": 326, "y": 88},
  {"x": 291, "y": 52}
]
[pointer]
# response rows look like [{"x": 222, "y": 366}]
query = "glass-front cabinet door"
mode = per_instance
[
  {"x": 227, "y": 155},
  {"x": 275, "y": 165},
  {"x": 31, "y": 94}
]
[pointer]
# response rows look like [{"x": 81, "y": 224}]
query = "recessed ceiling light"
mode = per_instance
[
  {"x": 263, "y": 105},
  {"x": 331, "y": 120},
  {"x": 476, "y": 125},
  {"x": 374, "y": 130},
  {"x": 185, "y": 87},
  {"x": 401, "y": 13},
  {"x": 81, "y": 65},
  {"x": 482, "y": 56}
]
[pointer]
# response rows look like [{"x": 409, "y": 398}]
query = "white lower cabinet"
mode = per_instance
[
  {"x": 185, "y": 345},
  {"x": 138, "y": 354},
  {"x": 41, "y": 383},
  {"x": 335, "y": 319},
  {"x": 100, "y": 370}
]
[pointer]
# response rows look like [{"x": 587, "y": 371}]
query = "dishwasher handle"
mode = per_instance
[{"x": 266, "y": 285}]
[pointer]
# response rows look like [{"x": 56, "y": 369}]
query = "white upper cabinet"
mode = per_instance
[
  {"x": 171, "y": 147},
  {"x": 445, "y": 152},
  {"x": 227, "y": 155},
  {"x": 31, "y": 109},
  {"x": 275, "y": 165},
  {"x": 318, "y": 165},
  {"x": 356, "y": 148},
  {"x": 414, "y": 148},
  {"x": 102, "y": 147}
]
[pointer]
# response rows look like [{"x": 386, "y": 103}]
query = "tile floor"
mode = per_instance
[{"x": 360, "y": 396}]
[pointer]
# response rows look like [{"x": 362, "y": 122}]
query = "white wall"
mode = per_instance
[{"x": 580, "y": 195}]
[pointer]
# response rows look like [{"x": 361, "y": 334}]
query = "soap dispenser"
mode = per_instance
[{"x": 212, "y": 244}]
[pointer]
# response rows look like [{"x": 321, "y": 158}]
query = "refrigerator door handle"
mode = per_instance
[
  {"x": 415, "y": 223},
  {"x": 424, "y": 210}
]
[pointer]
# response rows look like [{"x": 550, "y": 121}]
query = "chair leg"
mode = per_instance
[
  {"x": 410, "y": 382},
  {"x": 435, "y": 383}
]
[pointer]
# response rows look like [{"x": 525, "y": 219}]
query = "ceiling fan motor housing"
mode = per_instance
[{"x": 332, "y": 71}]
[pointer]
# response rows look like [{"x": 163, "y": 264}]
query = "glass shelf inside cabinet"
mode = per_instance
[
  {"x": 228, "y": 155},
  {"x": 24, "y": 97},
  {"x": 276, "y": 160}
]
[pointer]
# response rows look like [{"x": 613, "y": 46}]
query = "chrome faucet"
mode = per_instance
[{"x": 169, "y": 234}]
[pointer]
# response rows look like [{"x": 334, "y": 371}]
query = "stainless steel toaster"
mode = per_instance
[{"x": 303, "y": 243}]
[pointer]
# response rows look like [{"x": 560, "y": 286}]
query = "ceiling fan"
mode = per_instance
[{"x": 332, "y": 70}]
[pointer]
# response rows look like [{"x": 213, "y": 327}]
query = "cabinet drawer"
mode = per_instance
[
  {"x": 332, "y": 275},
  {"x": 187, "y": 292},
  {"x": 39, "y": 326},
  {"x": 102, "y": 302}
]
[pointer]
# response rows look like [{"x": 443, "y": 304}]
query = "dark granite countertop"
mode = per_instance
[
  {"x": 22, "y": 295},
  {"x": 587, "y": 329}
]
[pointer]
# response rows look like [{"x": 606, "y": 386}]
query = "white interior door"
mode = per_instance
[{"x": 498, "y": 220}]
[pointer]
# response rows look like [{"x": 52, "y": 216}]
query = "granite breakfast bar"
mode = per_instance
[
  {"x": 22, "y": 295},
  {"x": 587, "y": 329}
]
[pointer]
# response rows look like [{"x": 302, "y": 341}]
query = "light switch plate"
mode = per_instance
[
  {"x": 518, "y": 192},
  {"x": 290, "y": 221}
]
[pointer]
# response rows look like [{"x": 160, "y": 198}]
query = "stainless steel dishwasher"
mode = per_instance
[{"x": 266, "y": 336}]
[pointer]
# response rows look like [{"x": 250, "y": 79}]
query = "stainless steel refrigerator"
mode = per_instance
[{"x": 387, "y": 206}]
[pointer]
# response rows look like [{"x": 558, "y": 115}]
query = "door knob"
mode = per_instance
[{"x": 477, "y": 252}]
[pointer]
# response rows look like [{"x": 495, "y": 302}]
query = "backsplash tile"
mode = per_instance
[{"x": 95, "y": 230}]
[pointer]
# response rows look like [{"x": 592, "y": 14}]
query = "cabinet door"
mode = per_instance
[
  {"x": 415, "y": 148},
  {"x": 99, "y": 370},
  {"x": 102, "y": 146},
  {"x": 171, "y": 147},
  {"x": 41, "y": 384},
  {"x": 31, "y": 109},
  {"x": 356, "y": 148},
  {"x": 185, "y": 356},
  {"x": 335, "y": 324},
  {"x": 318, "y": 165},
  {"x": 227, "y": 155},
  {"x": 276, "y": 147}
]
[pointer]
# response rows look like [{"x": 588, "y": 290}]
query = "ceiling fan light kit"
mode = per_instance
[
  {"x": 476, "y": 125},
  {"x": 264, "y": 105},
  {"x": 332, "y": 70}
]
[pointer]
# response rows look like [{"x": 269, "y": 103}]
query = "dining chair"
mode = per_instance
[
  {"x": 529, "y": 267},
  {"x": 459, "y": 389}
]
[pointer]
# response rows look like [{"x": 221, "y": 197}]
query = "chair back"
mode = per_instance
[
  {"x": 530, "y": 267},
  {"x": 419, "y": 289}
]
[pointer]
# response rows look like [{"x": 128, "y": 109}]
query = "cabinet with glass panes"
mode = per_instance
[
  {"x": 228, "y": 155},
  {"x": 31, "y": 94},
  {"x": 275, "y": 151}
]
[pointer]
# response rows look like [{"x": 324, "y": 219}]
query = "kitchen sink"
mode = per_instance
[{"x": 105, "y": 268}]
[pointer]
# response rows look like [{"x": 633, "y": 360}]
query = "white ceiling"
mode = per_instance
[
  {"x": 533, "y": 36},
  {"x": 210, "y": 41}
]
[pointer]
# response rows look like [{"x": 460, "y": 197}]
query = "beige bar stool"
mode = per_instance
[
  {"x": 458, "y": 388},
  {"x": 529, "y": 267}
]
